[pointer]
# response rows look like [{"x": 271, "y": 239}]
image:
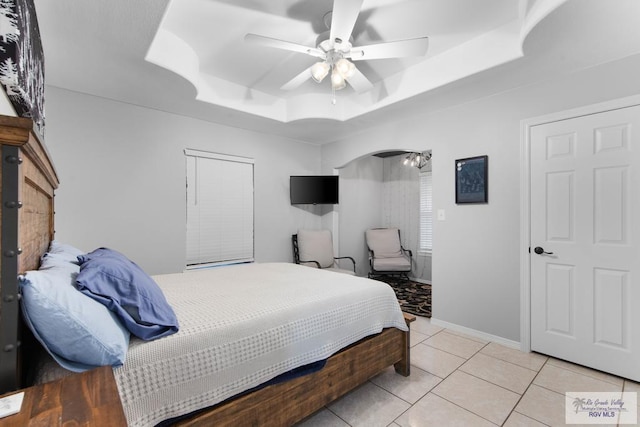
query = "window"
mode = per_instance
[
  {"x": 426, "y": 213},
  {"x": 219, "y": 208}
]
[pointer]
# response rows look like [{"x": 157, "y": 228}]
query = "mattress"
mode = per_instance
[{"x": 241, "y": 326}]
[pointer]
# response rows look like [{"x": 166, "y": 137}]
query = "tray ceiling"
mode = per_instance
[{"x": 188, "y": 57}]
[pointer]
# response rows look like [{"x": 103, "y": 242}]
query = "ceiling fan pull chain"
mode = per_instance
[{"x": 333, "y": 96}]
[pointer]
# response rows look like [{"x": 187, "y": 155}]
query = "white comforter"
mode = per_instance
[{"x": 240, "y": 326}]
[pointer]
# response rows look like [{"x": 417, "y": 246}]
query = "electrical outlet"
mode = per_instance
[{"x": 10, "y": 405}]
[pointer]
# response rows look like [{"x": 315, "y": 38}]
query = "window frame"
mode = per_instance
[
  {"x": 192, "y": 196},
  {"x": 425, "y": 214}
]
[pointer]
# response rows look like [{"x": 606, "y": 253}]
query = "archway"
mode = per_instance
[{"x": 380, "y": 190}]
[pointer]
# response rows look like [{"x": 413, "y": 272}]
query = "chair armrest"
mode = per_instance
[
  {"x": 348, "y": 257},
  {"x": 310, "y": 261},
  {"x": 408, "y": 251},
  {"x": 371, "y": 258}
]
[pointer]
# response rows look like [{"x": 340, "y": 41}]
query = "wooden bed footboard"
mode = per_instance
[{"x": 286, "y": 403}]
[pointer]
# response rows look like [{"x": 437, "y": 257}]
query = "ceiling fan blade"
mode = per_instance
[
  {"x": 284, "y": 45},
  {"x": 298, "y": 80},
  {"x": 343, "y": 18},
  {"x": 397, "y": 49},
  {"x": 359, "y": 82}
]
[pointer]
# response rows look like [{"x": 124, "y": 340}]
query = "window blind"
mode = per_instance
[
  {"x": 219, "y": 208},
  {"x": 426, "y": 212}
]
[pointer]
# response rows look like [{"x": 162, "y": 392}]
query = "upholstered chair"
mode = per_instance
[
  {"x": 387, "y": 257},
  {"x": 315, "y": 249}
]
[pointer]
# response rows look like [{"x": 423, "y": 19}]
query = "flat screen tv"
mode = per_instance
[{"x": 314, "y": 190}]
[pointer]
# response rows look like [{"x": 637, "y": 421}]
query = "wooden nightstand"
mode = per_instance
[{"x": 86, "y": 399}]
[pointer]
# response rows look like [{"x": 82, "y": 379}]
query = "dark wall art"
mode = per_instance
[
  {"x": 472, "y": 180},
  {"x": 22, "y": 59}
]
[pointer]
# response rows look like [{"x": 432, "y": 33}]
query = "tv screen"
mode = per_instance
[{"x": 314, "y": 189}]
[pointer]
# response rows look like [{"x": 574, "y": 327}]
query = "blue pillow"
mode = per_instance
[
  {"x": 112, "y": 279},
  {"x": 79, "y": 333}
]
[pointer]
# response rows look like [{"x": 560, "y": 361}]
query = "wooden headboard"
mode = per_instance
[{"x": 28, "y": 180}]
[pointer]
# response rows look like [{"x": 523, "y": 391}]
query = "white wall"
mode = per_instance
[
  {"x": 379, "y": 192},
  {"x": 360, "y": 207},
  {"x": 6, "y": 109},
  {"x": 476, "y": 270},
  {"x": 122, "y": 173},
  {"x": 401, "y": 209}
]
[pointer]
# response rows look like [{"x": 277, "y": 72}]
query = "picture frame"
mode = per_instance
[
  {"x": 22, "y": 60},
  {"x": 472, "y": 184}
]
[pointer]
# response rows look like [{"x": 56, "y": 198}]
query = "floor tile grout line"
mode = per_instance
[
  {"x": 581, "y": 374},
  {"x": 492, "y": 383},
  {"x": 549, "y": 361},
  {"x": 489, "y": 382},
  {"x": 520, "y": 394},
  {"x": 422, "y": 397},
  {"x": 527, "y": 416},
  {"x": 430, "y": 391},
  {"x": 512, "y": 363},
  {"x": 461, "y": 407},
  {"x": 585, "y": 374},
  {"x": 525, "y": 392},
  {"x": 468, "y": 410},
  {"x": 441, "y": 397},
  {"x": 453, "y": 354},
  {"x": 338, "y": 416}
]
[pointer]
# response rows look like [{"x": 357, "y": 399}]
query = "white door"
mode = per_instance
[{"x": 585, "y": 216}]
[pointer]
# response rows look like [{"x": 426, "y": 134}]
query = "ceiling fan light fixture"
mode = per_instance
[
  {"x": 337, "y": 81},
  {"x": 346, "y": 68},
  {"x": 319, "y": 71}
]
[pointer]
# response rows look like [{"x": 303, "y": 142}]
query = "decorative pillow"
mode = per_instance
[
  {"x": 79, "y": 333},
  {"x": 113, "y": 280}
]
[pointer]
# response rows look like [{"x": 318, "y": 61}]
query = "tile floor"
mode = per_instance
[{"x": 458, "y": 380}]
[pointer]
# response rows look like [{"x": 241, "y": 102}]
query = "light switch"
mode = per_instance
[{"x": 441, "y": 216}]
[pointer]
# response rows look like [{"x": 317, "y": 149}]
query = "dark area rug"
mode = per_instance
[{"x": 414, "y": 297}]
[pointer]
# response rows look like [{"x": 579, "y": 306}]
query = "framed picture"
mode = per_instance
[
  {"x": 22, "y": 60},
  {"x": 472, "y": 180}
]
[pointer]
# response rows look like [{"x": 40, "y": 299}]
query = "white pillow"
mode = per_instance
[{"x": 65, "y": 250}]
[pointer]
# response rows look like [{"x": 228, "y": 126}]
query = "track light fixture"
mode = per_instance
[{"x": 418, "y": 160}]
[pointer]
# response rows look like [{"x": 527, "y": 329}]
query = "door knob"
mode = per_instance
[{"x": 541, "y": 251}]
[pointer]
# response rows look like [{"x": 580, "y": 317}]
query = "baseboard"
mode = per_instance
[
  {"x": 414, "y": 279},
  {"x": 478, "y": 334}
]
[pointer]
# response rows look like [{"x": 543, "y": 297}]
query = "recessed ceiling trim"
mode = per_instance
[{"x": 478, "y": 53}]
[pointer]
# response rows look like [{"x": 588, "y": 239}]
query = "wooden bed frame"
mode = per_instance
[{"x": 27, "y": 227}]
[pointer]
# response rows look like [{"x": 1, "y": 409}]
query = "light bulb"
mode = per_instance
[
  {"x": 346, "y": 68},
  {"x": 337, "y": 81},
  {"x": 319, "y": 71}
]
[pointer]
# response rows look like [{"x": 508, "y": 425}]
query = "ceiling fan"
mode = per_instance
[{"x": 336, "y": 53}]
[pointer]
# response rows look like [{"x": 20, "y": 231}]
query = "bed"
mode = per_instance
[{"x": 380, "y": 338}]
